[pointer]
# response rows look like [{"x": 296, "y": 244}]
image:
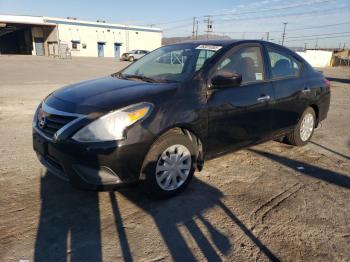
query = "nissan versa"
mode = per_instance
[{"x": 157, "y": 120}]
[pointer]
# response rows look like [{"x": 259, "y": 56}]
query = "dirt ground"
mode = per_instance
[{"x": 268, "y": 202}]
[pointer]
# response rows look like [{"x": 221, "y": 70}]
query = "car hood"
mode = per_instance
[{"x": 106, "y": 94}]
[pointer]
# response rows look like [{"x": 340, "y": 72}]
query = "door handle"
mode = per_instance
[
  {"x": 306, "y": 90},
  {"x": 264, "y": 98}
]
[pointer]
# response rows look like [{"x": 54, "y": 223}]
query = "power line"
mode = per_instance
[
  {"x": 319, "y": 26},
  {"x": 279, "y": 31},
  {"x": 176, "y": 27},
  {"x": 326, "y": 34},
  {"x": 329, "y": 11},
  {"x": 271, "y": 9},
  {"x": 305, "y": 39},
  {"x": 246, "y": 12}
]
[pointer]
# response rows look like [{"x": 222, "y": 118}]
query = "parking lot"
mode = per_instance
[{"x": 268, "y": 202}]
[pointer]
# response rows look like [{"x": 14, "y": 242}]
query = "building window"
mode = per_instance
[
  {"x": 84, "y": 46},
  {"x": 75, "y": 45}
]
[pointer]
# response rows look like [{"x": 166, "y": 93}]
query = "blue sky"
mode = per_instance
[{"x": 322, "y": 22}]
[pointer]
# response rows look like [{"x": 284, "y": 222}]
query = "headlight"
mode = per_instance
[{"x": 112, "y": 125}]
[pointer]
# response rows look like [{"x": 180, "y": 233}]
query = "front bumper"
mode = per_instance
[{"x": 94, "y": 166}]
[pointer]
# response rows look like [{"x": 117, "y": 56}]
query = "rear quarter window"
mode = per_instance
[{"x": 283, "y": 65}]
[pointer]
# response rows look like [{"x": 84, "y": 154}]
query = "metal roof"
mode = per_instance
[{"x": 24, "y": 19}]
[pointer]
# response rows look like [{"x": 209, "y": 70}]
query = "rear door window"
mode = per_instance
[{"x": 283, "y": 65}]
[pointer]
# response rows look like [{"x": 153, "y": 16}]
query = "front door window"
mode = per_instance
[{"x": 246, "y": 61}]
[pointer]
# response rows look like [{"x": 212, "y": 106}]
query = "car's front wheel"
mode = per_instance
[
  {"x": 131, "y": 59},
  {"x": 304, "y": 130},
  {"x": 169, "y": 165}
]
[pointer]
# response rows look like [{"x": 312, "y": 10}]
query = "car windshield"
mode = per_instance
[{"x": 174, "y": 63}]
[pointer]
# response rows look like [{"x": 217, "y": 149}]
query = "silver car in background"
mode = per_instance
[{"x": 133, "y": 55}]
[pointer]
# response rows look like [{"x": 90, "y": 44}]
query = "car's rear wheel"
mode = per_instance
[
  {"x": 304, "y": 130},
  {"x": 169, "y": 165},
  {"x": 131, "y": 59}
]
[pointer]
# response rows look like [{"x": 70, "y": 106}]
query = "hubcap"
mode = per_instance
[
  {"x": 173, "y": 167},
  {"x": 307, "y": 126}
]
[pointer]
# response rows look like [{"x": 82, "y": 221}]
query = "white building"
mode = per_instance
[
  {"x": 317, "y": 58},
  {"x": 39, "y": 35}
]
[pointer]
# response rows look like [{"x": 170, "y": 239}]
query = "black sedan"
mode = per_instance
[{"x": 159, "y": 119}]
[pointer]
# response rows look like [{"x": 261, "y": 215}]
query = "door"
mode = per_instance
[
  {"x": 240, "y": 115},
  {"x": 100, "y": 49},
  {"x": 117, "y": 50},
  {"x": 291, "y": 94},
  {"x": 39, "y": 46}
]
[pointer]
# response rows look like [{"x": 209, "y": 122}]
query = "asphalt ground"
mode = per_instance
[{"x": 268, "y": 202}]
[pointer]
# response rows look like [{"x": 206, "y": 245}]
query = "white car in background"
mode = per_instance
[{"x": 133, "y": 55}]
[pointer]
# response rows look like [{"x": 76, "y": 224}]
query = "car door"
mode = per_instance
[
  {"x": 241, "y": 115},
  {"x": 291, "y": 93}
]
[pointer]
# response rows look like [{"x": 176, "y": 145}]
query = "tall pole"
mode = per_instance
[
  {"x": 193, "y": 27},
  {"x": 267, "y": 36},
  {"x": 305, "y": 46},
  {"x": 196, "y": 29},
  {"x": 209, "y": 22},
  {"x": 284, "y": 32}
]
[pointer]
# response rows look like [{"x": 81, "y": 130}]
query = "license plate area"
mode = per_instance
[{"x": 40, "y": 145}]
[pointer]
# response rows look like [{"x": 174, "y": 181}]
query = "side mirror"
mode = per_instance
[{"x": 226, "y": 79}]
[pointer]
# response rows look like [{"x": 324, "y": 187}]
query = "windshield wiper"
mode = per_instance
[
  {"x": 118, "y": 75},
  {"x": 143, "y": 78}
]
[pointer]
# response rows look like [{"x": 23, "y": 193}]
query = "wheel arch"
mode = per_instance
[
  {"x": 316, "y": 109},
  {"x": 192, "y": 135}
]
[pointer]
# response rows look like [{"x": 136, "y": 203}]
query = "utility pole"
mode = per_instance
[
  {"x": 316, "y": 44},
  {"x": 196, "y": 29},
  {"x": 305, "y": 46},
  {"x": 209, "y": 22},
  {"x": 267, "y": 36},
  {"x": 193, "y": 27},
  {"x": 284, "y": 32}
]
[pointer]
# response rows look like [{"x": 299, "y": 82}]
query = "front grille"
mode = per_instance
[{"x": 53, "y": 123}]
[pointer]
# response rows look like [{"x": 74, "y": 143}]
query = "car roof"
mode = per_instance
[
  {"x": 228, "y": 42},
  {"x": 232, "y": 42},
  {"x": 212, "y": 41}
]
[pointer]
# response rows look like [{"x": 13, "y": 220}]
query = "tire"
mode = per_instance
[
  {"x": 131, "y": 59},
  {"x": 297, "y": 137},
  {"x": 170, "y": 142}
]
